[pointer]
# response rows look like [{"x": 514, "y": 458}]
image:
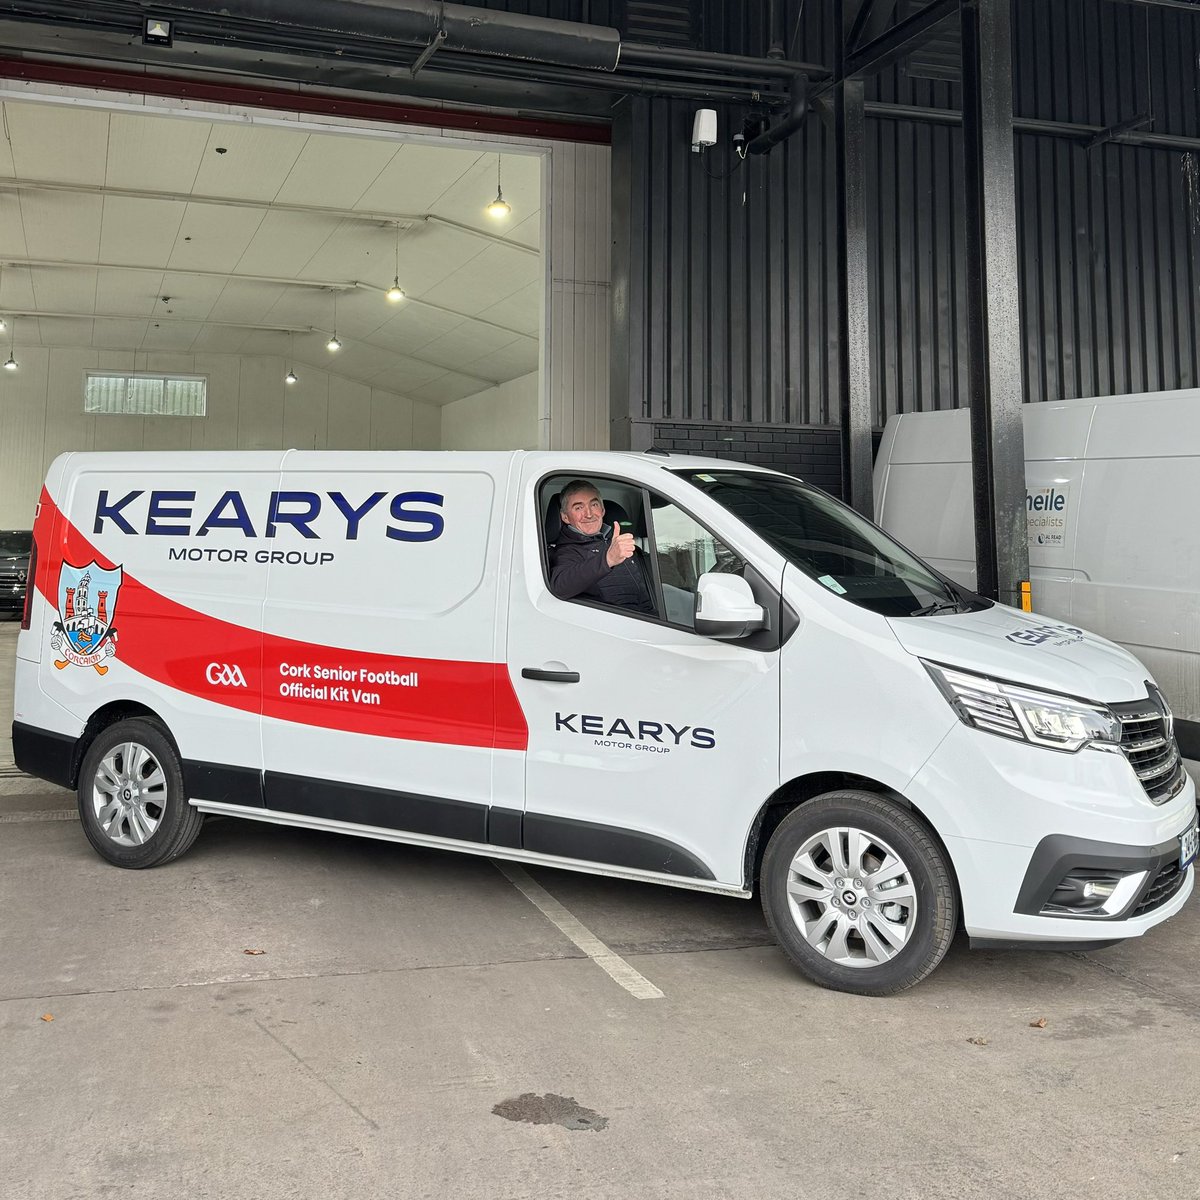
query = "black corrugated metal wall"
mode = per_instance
[{"x": 731, "y": 296}]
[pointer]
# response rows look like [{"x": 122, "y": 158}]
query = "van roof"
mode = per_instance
[{"x": 563, "y": 460}]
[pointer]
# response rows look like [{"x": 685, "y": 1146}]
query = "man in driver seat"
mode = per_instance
[{"x": 595, "y": 561}]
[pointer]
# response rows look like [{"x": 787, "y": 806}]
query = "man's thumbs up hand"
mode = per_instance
[{"x": 621, "y": 547}]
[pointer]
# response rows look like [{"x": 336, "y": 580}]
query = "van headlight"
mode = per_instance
[{"x": 1043, "y": 718}]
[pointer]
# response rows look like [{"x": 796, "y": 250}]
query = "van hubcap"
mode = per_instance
[
  {"x": 852, "y": 896},
  {"x": 128, "y": 794}
]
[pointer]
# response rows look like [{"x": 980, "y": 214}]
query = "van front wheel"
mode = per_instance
[
  {"x": 859, "y": 894},
  {"x": 132, "y": 801}
]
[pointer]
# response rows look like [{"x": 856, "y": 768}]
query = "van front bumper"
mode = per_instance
[{"x": 1029, "y": 829}]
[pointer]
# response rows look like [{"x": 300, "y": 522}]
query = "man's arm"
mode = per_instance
[{"x": 576, "y": 568}]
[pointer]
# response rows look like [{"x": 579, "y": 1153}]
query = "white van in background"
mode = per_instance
[
  {"x": 368, "y": 643},
  {"x": 1113, "y": 512}
]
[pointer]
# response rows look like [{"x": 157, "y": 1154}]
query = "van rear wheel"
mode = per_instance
[
  {"x": 859, "y": 894},
  {"x": 132, "y": 801}
]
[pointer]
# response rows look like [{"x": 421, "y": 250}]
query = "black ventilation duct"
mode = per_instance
[{"x": 455, "y": 27}]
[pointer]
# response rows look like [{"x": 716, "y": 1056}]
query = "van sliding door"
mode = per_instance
[{"x": 383, "y": 692}]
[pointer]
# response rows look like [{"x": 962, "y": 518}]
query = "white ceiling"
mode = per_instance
[{"x": 126, "y": 217}]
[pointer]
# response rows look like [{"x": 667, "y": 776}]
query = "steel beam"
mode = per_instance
[
  {"x": 993, "y": 314},
  {"x": 322, "y": 285},
  {"x": 853, "y": 300},
  {"x": 870, "y": 22},
  {"x": 899, "y": 40},
  {"x": 1192, "y": 6},
  {"x": 1032, "y": 125},
  {"x": 390, "y": 219},
  {"x": 1115, "y": 131}
]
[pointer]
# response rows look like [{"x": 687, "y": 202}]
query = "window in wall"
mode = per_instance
[{"x": 143, "y": 394}]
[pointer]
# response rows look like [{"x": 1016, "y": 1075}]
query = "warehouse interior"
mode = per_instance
[{"x": 176, "y": 281}]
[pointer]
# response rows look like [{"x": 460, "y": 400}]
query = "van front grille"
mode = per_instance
[{"x": 1150, "y": 747}]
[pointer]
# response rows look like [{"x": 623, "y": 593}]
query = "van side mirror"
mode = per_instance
[{"x": 725, "y": 607}]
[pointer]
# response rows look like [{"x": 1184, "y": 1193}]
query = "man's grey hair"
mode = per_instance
[{"x": 574, "y": 488}]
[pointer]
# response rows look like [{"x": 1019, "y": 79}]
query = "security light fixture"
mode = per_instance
[
  {"x": 290, "y": 377},
  {"x": 396, "y": 293},
  {"x": 499, "y": 208},
  {"x": 157, "y": 31}
]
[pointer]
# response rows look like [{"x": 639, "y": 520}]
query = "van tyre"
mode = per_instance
[
  {"x": 859, "y": 894},
  {"x": 132, "y": 801}
]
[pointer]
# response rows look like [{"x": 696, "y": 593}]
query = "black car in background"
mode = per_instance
[{"x": 15, "y": 545}]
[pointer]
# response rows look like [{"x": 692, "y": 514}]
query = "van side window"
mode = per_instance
[
  {"x": 685, "y": 550},
  {"x": 672, "y": 550}
]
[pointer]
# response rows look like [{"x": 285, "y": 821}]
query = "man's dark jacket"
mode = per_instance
[{"x": 579, "y": 569}]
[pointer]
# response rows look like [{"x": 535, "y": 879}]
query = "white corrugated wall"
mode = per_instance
[{"x": 575, "y": 347}]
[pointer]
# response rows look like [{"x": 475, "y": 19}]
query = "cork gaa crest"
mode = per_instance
[{"x": 87, "y": 601}]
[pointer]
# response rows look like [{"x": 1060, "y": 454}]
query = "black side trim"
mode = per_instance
[
  {"x": 605, "y": 844},
  {"x": 1187, "y": 734},
  {"x": 1012, "y": 944},
  {"x": 504, "y": 827},
  {"x": 1059, "y": 853},
  {"x": 223, "y": 784},
  {"x": 466, "y": 821},
  {"x": 459, "y": 819},
  {"x": 44, "y": 755}
]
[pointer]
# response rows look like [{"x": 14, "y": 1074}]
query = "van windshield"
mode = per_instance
[{"x": 833, "y": 544}]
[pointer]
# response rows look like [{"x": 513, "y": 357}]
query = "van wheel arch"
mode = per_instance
[
  {"x": 808, "y": 787},
  {"x": 110, "y": 714}
]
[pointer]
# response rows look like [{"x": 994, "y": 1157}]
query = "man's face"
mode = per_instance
[{"x": 584, "y": 512}]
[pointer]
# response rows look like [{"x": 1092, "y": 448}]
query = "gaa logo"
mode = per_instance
[{"x": 225, "y": 675}]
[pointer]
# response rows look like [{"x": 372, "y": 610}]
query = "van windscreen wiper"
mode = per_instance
[{"x": 940, "y": 606}]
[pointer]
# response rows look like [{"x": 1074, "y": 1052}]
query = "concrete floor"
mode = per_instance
[{"x": 403, "y": 994}]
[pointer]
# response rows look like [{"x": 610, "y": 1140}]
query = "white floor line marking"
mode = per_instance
[
  {"x": 635, "y": 983},
  {"x": 51, "y": 814}
]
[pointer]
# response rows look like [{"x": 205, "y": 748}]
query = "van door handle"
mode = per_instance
[{"x": 550, "y": 676}]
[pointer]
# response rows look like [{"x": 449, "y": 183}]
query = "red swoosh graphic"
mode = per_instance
[{"x": 419, "y": 699}]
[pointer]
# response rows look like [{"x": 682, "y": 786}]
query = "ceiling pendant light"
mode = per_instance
[
  {"x": 290, "y": 377},
  {"x": 396, "y": 293},
  {"x": 499, "y": 208},
  {"x": 333, "y": 345},
  {"x": 11, "y": 365}
]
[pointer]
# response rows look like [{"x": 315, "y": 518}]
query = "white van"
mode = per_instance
[
  {"x": 1112, "y": 498},
  {"x": 367, "y": 642}
]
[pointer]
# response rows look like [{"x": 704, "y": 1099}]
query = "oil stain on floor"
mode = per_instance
[{"x": 550, "y": 1110}]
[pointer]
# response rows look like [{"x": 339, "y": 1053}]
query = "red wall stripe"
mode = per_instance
[{"x": 322, "y": 103}]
